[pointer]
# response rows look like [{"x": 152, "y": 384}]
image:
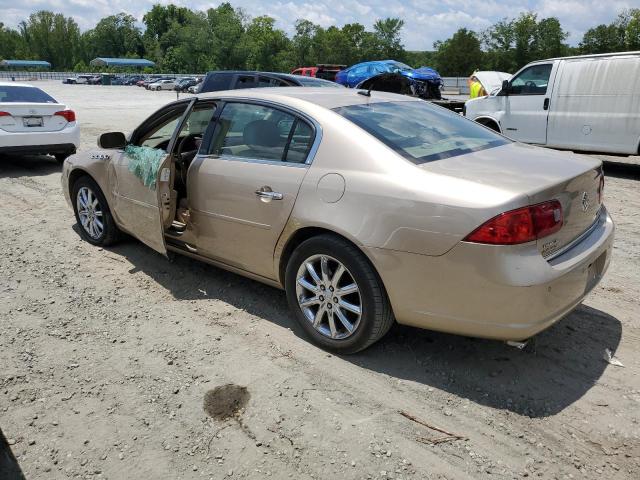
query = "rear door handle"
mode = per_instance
[
  {"x": 267, "y": 193},
  {"x": 545, "y": 105}
]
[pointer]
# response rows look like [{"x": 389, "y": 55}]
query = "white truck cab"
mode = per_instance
[{"x": 587, "y": 103}]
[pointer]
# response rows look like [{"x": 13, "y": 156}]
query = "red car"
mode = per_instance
[{"x": 322, "y": 70}]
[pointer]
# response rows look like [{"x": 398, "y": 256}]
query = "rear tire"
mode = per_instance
[
  {"x": 327, "y": 308},
  {"x": 93, "y": 216}
]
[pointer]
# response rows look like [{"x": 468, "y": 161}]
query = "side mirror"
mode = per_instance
[
  {"x": 504, "y": 91},
  {"x": 112, "y": 140}
]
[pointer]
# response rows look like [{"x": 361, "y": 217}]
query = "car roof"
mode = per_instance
[
  {"x": 324, "y": 97},
  {"x": 16, "y": 84}
]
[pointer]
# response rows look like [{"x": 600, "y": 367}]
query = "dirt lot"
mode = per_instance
[{"x": 107, "y": 356}]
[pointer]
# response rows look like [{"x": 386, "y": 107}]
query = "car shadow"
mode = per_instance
[
  {"x": 9, "y": 468},
  {"x": 555, "y": 369},
  {"x": 12, "y": 166}
]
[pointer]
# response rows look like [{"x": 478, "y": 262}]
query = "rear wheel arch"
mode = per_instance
[{"x": 306, "y": 233}]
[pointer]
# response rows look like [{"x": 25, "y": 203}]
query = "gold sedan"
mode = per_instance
[{"x": 367, "y": 208}]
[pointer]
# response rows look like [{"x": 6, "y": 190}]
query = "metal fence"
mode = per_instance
[{"x": 33, "y": 76}]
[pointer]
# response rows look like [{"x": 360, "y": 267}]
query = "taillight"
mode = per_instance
[
  {"x": 69, "y": 115},
  {"x": 521, "y": 225},
  {"x": 5, "y": 114}
]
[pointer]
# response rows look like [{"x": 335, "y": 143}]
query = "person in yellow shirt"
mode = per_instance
[{"x": 475, "y": 88}]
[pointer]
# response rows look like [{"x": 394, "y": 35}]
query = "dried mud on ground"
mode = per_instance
[{"x": 109, "y": 357}]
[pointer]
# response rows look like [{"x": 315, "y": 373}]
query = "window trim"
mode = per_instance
[{"x": 297, "y": 114}]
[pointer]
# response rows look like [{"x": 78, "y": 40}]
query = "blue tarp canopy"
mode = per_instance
[
  {"x": 121, "y": 62},
  {"x": 24, "y": 64}
]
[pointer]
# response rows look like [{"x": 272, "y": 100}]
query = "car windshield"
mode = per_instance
[
  {"x": 10, "y": 93},
  {"x": 421, "y": 132},
  {"x": 317, "y": 82}
]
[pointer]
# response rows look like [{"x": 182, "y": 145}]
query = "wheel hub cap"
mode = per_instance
[
  {"x": 90, "y": 213},
  {"x": 329, "y": 296}
]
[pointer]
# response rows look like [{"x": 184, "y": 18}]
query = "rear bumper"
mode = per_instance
[
  {"x": 64, "y": 148},
  {"x": 66, "y": 140},
  {"x": 506, "y": 293}
]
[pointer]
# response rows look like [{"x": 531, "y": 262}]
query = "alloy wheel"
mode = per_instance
[
  {"x": 329, "y": 296},
  {"x": 90, "y": 213}
]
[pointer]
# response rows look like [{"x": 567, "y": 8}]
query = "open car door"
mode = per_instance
[{"x": 144, "y": 173}]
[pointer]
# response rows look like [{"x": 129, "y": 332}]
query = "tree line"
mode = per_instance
[{"x": 181, "y": 40}]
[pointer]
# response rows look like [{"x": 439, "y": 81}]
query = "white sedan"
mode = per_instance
[
  {"x": 33, "y": 123},
  {"x": 162, "y": 85}
]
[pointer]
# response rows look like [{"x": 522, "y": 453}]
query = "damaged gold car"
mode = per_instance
[{"x": 366, "y": 207}]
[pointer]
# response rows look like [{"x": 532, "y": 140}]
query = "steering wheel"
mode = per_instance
[
  {"x": 183, "y": 142},
  {"x": 530, "y": 84}
]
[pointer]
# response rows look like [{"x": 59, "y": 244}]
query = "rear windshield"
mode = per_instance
[
  {"x": 9, "y": 93},
  {"x": 317, "y": 82},
  {"x": 419, "y": 131}
]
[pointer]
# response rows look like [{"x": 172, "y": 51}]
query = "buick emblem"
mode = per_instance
[{"x": 585, "y": 201}]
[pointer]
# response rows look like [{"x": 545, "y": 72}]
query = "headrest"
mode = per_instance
[{"x": 261, "y": 133}]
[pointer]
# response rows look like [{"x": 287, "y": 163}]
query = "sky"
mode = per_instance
[{"x": 425, "y": 20}]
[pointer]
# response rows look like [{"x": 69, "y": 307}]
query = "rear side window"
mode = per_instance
[
  {"x": 9, "y": 93},
  {"x": 217, "y": 81},
  {"x": 245, "y": 81},
  {"x": 421, "y": 132},
  {"x": 259, "y": 132}
]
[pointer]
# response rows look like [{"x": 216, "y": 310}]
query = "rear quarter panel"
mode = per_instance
[{"x": 388, "y": 202}]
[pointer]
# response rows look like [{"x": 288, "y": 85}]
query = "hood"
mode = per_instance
[
  {"x": 492, "y": 81},
  {"x": 427, "y": 74}
]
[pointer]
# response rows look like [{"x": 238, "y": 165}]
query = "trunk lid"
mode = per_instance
[
  {"x": 32, "y": 117},
  {"x": 542, "y": 175}
]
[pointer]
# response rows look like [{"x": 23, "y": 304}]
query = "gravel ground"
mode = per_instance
[{"x": 113, "y": 362}]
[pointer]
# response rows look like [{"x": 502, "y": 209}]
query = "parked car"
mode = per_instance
[
  {"x": 183, "y": 84},
  {"x": 162, "y": 85},
  {"x": 587, "y": 103},
  {"x": 94, "y": 80},
  {"x": 322, "y": 70},
  {"x": 233, "y": 80},
  {"x": 425, "y": 81},
  {"x": 365, "y": 209},
  {"x": 133, "y": 79},
  {"x": 77, "y": 79},
  {"x": 33, "y": 123}
]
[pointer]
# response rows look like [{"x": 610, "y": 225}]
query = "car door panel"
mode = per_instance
[
  {"x": 234, "y": 224},
  {"x": 526, "y": 112},
  {"x": 142, "y": 210}
]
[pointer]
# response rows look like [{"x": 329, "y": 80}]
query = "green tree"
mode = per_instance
[
  {"x": 386, "y": 35},
  {"x": 267, "y": 46},
  {"x": 115, "y": 36},
  {"x": 10, "y": 43},
  {"x": 460, "y": 55},
  {"x": 52, "y": 37}
]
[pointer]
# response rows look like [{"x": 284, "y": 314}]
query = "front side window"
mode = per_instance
[
  {"x": 259, "y": 132},
  {"x": 532, "y": 81},
  {"x": 419, "y": 131}
]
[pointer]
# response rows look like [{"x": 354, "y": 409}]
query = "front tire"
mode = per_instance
[
  {"x": 93, "y": 216},
  {"x": 336, "y": 295}
]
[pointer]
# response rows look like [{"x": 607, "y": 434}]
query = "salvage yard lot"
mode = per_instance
[{"x": 107, "y": 355}]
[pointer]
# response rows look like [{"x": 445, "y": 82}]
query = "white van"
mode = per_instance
[{"x": 588, "y": 103}]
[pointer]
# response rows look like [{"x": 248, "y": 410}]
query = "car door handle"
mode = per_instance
[
  {"x": 268, "y": 194},
  {"x": 545, "y": 105}
]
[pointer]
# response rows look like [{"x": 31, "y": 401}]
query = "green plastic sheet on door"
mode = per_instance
[{"x": 144, "y": 163}]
